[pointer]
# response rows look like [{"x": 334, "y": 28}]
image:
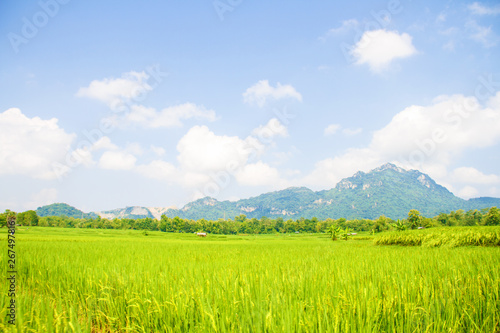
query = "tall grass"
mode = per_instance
[
  {"x": 117, "y": 281},
  {"x": 435, "y": 237}
]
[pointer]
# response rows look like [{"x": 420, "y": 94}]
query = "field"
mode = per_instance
[{"x": 75, "y": 280}]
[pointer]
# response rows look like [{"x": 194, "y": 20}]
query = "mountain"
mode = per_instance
[
  {"x": 62, "y": 209},
  {"x": 387, "y": 190}
]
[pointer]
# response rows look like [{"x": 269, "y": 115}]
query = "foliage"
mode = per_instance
[
  {"x": 28, "y": 218},
  {"x": 399, "y": 225},
  {"x": 414, "y": 219},
  {"x": 492, "y": 217},
  {"x": 242, "y": 225},
  {"x": 334, "y": 232}
]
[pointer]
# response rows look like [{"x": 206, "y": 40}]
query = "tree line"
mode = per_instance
[{"x": 243, "y": 225}]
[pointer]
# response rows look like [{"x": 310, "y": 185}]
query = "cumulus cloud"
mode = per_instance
[
  {"x": 439, "y": 132},
  {"x": 261, "y": 92},
  {"x": 428, "y": 138},
  {"x": 114, "y": 92},
  {"x": 258, "y": 174},
  {"x": 468, "y": 192},
  {"x": 159, "y": 170},
  {"x": 44, "y": 197},
  {"x": 30, "y": 146},
  {"x": 172, "y": 116},
  {"x": 378, "y": 48},
  {"x": 471, "y": 175},
  {"x": 203, "y": 151},
  {"x": 117, "y": 160},
  {"x": 328, "y": 172},
  {"x": 273, "y": 128}
]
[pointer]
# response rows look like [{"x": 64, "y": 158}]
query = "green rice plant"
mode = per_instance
[
  {"x": 120, "y": 281},
  {"x": 435, "y": 237}
]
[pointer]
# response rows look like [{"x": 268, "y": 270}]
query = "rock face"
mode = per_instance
[{"x": 387, "y": 190}]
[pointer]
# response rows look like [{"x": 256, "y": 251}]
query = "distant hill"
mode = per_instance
[
  {"x": 387, "y": 190},
  {"x": 62, "y": 209}
]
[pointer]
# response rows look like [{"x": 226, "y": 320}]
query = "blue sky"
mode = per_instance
[{"x": 107, "y": 104}]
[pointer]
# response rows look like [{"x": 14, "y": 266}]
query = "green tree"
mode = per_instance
[
  {"x": 381, "y": 224},
  {"x": 492, "y": 217},
  {"x": 414, "y": 219}
]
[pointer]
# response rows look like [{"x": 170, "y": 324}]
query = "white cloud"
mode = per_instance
[
  {"x": 346, "y": 26},
  {"x": 378, "y": 48},
  {"x": 471, "y": 175},
  {"x": 449, "y": 46},
  {"x": 104, "y": 143},
  {"x": 480, "y": 34},
  {"x": 352, "y": 131},
  {"x": 169, "y": 117},
  {"x": 117, "y": 160},
  {"x": 334, "y": 128},
  {"x": 427, "y": 138},
  {"x": 134, "y": 148},
  {"x": 159, "y": 151},
  {"x": 202, "y": 150},
  {"x": 44, "y": 197},
  {"x": 159, "y": 170},
  {"x": 273, "y": 128},
  {"x": 329, "y": 171},
  {"x": 262, "y": 92},
  {"x": 115, "y": 92},
  {"x": 479, "y": 9},
  {"x": 331, "y": 129},
  {"x": 468, "y": 192},
  {"x": 440, "y": 132},
  {"x": 258, "y": 174},
  {"x": 30, "y": 146}
]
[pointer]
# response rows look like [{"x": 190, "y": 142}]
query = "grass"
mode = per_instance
[
  {"x": 436, "y": 237},
  {"x": 123, "y": 281}
]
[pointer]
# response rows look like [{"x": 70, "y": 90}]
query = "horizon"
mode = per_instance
[{"x": 158, "y": 104}]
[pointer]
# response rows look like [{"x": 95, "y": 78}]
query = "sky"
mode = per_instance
[{"x": 108, "y": 104}]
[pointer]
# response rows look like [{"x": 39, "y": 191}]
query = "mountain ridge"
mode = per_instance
[{"x": 386, "y": 190}]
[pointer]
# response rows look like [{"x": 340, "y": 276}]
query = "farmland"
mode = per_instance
[{"x": 88, "y": 280}]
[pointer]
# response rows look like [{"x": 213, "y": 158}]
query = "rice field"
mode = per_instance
[
  {"x": 74, "y": 280},
  {"x": 450, "y": 237}
]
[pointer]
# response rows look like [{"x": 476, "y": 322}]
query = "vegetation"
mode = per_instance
[
  {"x": 243, "y": 225},
  {"x": 451, "y": 237},
  {"x": 92, "y": 280}
]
